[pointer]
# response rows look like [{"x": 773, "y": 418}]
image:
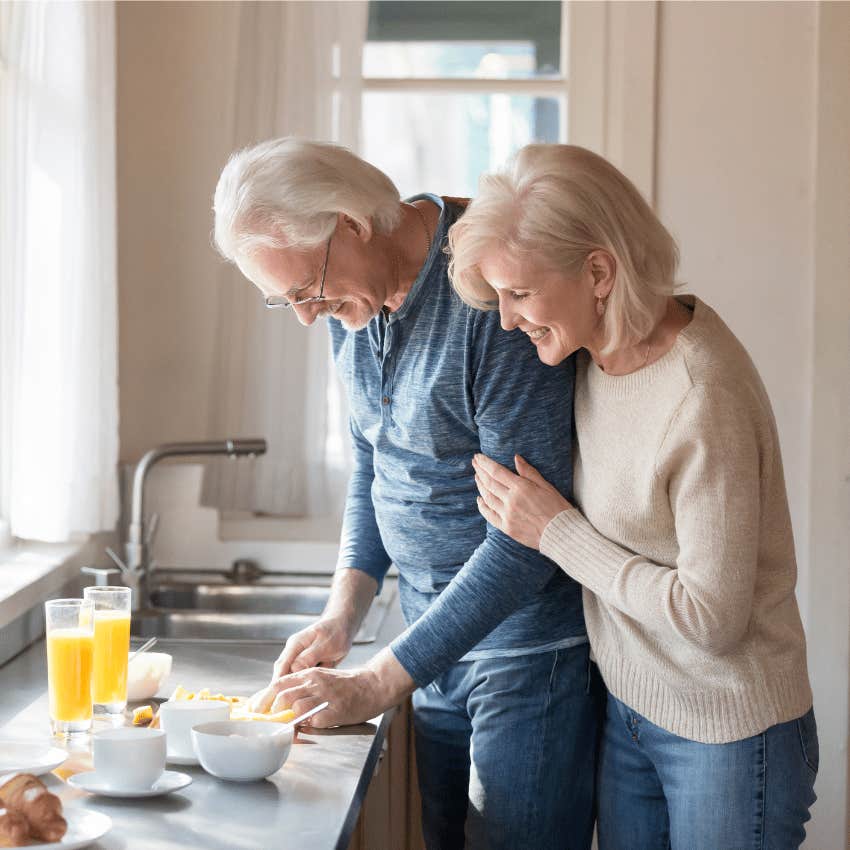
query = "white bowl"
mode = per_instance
[
  {"x": 242, "y": 750},
  {"x": 146, "y": 673}
]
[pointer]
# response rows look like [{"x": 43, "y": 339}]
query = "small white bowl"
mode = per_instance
[
  {"x": 146, "y": 673},
  {"x": 242, "y": 750},
  {"x": 128, "y": 758}
]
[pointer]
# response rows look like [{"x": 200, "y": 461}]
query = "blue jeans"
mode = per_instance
[
  {"x": 506, "y": 752},
  {"x": 659, "y": 791}
]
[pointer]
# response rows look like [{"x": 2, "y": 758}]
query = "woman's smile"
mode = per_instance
[{"x": 537, "y": 334}]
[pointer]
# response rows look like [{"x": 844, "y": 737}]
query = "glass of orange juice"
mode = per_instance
[
  {"x": 70, "y": 650},
  {"x": 111, "y": 646}
]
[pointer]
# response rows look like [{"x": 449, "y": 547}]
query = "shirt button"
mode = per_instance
[{"x": 386, "y": 399}]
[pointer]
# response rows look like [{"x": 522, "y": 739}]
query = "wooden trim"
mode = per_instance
[
  {"x": 587, "y": 36},
  {"x": 613, "y": 66},
  {"x": 828, "y": 543},
  {"x": 631, "y": 102},
  {"x": 546, "y": 87}
]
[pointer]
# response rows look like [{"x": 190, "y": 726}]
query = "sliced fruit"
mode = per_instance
[{"x": 142, "y": 715}]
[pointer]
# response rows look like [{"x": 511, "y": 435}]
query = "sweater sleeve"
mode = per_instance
[{"x": 710, "y": 461}]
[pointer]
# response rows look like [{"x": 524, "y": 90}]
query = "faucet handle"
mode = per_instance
[
  {"x": 101, "y": 574},
  {"x": 117, "y": 561}
]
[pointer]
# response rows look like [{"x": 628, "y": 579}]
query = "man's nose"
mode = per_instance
[{"x": 306, "y": 313}]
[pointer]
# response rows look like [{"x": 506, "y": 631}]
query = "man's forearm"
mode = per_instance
[
  {"x": 500, "y": 577},
  {"x": 352, "y": 592}
]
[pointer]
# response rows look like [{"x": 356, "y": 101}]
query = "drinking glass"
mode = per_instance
[
  {"x": 111, "y": 646},
  {"x": 70, "y": 649}
]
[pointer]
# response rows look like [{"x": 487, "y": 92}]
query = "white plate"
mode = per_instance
[
  {"x": 170, "y": 781},
  {"x": 29, "y": 757},
  {"x": 84, "y": 828},
  {"x": 189, "y": 761}
]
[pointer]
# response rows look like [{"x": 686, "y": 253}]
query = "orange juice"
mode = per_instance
[
  {"x": 111, "y": 648},
  {"x": 69, "y": 669}
]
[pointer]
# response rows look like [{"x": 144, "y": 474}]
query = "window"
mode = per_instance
[{"x": 452, "y": 89}]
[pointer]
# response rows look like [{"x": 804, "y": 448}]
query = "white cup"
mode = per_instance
[
  {"x": 178, "y": 717},
  {"x": 128, "y": 758}
]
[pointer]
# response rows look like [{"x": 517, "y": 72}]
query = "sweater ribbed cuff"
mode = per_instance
[{"x": 582, "y": 552}]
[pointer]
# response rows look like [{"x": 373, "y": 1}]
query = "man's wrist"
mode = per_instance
[
  {"x": 351, "y": 595},
  {"x": 391, "y": 681}
]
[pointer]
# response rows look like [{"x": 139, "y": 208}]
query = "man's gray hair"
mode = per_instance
[{"x": 287, "y": 192}]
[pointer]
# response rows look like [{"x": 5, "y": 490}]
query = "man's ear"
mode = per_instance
[{"x": 361, "y": 229}]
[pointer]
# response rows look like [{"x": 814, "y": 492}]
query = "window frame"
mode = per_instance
[{"x": 554, "y": 86}]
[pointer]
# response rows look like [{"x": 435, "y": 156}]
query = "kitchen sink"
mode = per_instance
[
  {"x": 209, "y": 606},
  {"x": 211, "y": 625},
  {"x": 264, "y": 599}
]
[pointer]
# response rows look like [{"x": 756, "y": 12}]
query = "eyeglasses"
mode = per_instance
[{"x": 275, "y": 301}]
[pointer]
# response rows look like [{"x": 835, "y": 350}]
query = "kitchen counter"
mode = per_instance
[{"x": 313, "y": 801}]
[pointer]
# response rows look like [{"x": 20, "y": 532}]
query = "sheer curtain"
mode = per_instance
[
  {"x": 58, "y": 320},
  {"x": 298, "y": 74}
]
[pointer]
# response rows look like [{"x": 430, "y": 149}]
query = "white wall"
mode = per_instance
[{"x": 175, "y": 85}]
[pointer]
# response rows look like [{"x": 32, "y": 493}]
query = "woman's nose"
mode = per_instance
[{"x": 508, "y": 317}]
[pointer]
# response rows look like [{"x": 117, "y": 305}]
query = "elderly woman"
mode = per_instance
[{"x": 680, "y": 532}]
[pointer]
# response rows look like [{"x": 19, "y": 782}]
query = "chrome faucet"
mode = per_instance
[{"x": 136, "y": 564}]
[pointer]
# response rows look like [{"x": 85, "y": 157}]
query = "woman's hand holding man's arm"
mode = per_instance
[{"x": 520, "y": 505}]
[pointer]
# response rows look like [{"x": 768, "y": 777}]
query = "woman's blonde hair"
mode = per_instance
[
  {"x": 287, "y": 192},
  {"x": 556, "y": 204}
]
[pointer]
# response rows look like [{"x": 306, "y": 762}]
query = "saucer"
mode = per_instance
[
  {"x": 29, "y": 757},
  {"x": 84, "y": 828},
  {"x": 171, "y": 780},
  {"x": 187, "y": 761}
]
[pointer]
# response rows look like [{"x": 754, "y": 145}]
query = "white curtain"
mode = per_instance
[
  {"x": 298, "y": 74},
  {"x": 58, "y": 321}
]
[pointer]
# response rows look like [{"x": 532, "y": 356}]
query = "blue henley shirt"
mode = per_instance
[{"x": 429, "y": 387}]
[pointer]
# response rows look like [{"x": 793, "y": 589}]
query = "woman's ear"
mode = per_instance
[
  {"x": 362, "y": 230},
  {"x": 603, "y": 270}
]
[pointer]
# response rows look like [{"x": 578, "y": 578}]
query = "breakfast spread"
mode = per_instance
[
  {"x": 28, "y": 811},
  {"x": 145, "y": 715}
]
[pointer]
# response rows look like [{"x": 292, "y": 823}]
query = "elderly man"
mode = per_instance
[{"x": 505, "y": 697}]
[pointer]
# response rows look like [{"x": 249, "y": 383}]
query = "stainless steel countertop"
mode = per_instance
[{"x": 313, "y": 801}]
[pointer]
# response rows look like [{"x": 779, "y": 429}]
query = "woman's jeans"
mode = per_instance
[
  {"x": 658, "y": 791},
  {"x": 506, "y": 752}
]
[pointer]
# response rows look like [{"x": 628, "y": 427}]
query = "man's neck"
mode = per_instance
[{"x": 410, "y": 243}]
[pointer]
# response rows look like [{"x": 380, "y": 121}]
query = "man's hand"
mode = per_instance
[
  {"x": 327, "y": 641},
  {"x": 354, "y": 695},
  {"x": 324, "y": 644}
]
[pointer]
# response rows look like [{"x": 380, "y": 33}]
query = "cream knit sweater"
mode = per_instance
[{"x": 683, "y": 539}]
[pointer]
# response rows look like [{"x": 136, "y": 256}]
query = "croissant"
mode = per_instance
[
  {"x": 14, "y": 829},
  {"x": 25, "y": 794}
]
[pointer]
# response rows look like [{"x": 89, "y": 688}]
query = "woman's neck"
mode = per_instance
[{"x": 631, "y": 358}]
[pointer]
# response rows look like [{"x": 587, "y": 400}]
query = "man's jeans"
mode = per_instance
[
  {"x": 506, "y": 751},
  {"x": 659, "y": 791}
]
